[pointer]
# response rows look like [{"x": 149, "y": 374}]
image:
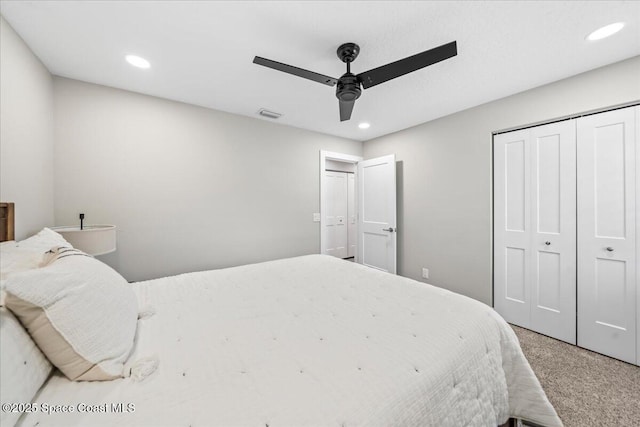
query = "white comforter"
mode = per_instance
[{"x": 310, "y": 341}]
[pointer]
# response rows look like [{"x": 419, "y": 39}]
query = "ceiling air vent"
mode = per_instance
[{"x": 270, "y": 114}]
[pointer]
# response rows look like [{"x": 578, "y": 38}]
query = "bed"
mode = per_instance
[{"x": 305, "y": 341}]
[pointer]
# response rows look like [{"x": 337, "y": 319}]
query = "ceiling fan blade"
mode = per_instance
[
  {"x": 407, "y": 65},
  {"x": 346, "y": 107},
  {"x": 320, "y": 78}
]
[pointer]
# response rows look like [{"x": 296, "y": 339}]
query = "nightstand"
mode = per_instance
[{"x": 90, "y": 239}]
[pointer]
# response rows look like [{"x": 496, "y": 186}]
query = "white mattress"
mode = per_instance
[{"x": 311, "y": 341}]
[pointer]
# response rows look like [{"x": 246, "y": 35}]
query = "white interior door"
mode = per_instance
[
  {"x": 606, "y": 234},
  {"x": 352, "y": 226},
  {"x": 377, "y": 213},
  {"x": 338, "y": 162},
  {"x": 553, "y": 228},
  {"x": 335, "y": 211},
  {"x": 512, "y": 234},
  {"x": 535, "y": 229}
]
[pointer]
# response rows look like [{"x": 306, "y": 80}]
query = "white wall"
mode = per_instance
[
  {"x": 189, "y": 188},
  {"x": 192, "y": 188},
  {"x": 444, "y": 179},
  {"x": 26, "y": 134}
]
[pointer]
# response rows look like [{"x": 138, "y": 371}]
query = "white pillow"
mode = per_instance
[
  {"x": 80, "y": 312},
  {"x": 43, "y": 241},
  {"x": 14, "y": 259},
  {"x": 27, "y": 254},
  {"x": 23, "y": 366}
]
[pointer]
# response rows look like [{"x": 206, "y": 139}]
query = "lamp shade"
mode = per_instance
[{"x": 91, "y": 239}]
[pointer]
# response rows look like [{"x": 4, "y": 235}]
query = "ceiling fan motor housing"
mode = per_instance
[{"x": 348, "y": 88}]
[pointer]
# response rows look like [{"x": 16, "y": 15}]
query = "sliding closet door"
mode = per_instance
[
  {"x": 512, "y": 236},
  {"x": 606, "y": 234},
  {"x": 553, "y": 227}
]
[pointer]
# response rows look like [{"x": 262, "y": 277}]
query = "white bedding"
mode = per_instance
[{"x": 310, "y": 341}]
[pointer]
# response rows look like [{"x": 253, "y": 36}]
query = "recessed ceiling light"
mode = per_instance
[
  {"x": 606, "y": 31},
  {"x": 364, "y": 125},
  {"x": 136, "y": 61}
]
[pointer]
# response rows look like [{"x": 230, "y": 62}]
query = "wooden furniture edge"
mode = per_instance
[{"x": 7, "y": 221}]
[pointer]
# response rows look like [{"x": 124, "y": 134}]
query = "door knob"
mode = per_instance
[
  {"x": 547, "y": 243},
  {"x": 390, "y": 229},
  {"x": 609, "y": 248}
]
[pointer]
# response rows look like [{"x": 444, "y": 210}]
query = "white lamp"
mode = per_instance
[{"x": 90, "y": 239}]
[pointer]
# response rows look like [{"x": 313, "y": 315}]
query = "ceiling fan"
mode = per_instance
[{"x": 348, "y": 89}]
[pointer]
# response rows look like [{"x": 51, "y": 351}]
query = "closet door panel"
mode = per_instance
[
  {"x": 352, "y": 227},
  {"x": 553, "y": 218},
  {"x": 607, "y": 234},
  {"x": 336, "y": 214},
  {"x": 511, "y": 227}
]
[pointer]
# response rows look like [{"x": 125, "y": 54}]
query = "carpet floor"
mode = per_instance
[{"x": 586, "y": 388}]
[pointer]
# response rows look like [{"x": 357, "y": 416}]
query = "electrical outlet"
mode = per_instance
[
  {"x": 316, "y": 217},
  {"x": 425, "y": 273}
]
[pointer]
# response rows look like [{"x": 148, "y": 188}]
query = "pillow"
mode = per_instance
[
  {"x": 14, "y": 259},
  {"x": 59, "y": 252},
  {"x": 23, "y": 366},
  {"x": 28, "y": 253},
  {"x": 43, "y": 241},
  {"x": 80, "y": 312}
]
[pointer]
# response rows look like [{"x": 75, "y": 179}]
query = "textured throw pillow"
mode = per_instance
[
  {"x": 28, "y": 253},
  {"x": 43, "y": 241},
  {"x": 80, "y": 312},
  {"x": 59, "y": 252},
  {"x": 14, "y": 259},
  {"x": 18, "y": 260},
  {"x": 24, "y": 367}
]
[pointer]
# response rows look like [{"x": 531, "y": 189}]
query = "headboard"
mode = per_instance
[{"x": 7, "y": 221}]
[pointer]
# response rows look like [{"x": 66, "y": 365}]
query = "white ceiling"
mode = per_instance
[{"x": 201, "y": 52}]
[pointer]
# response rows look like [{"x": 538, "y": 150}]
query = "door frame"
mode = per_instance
[
  {"x": 637, "y": 147},
  {"x": 337, "y": 157}
]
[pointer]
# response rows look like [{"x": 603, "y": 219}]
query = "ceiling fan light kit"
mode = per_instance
[{"x": 349, "y": 86}]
